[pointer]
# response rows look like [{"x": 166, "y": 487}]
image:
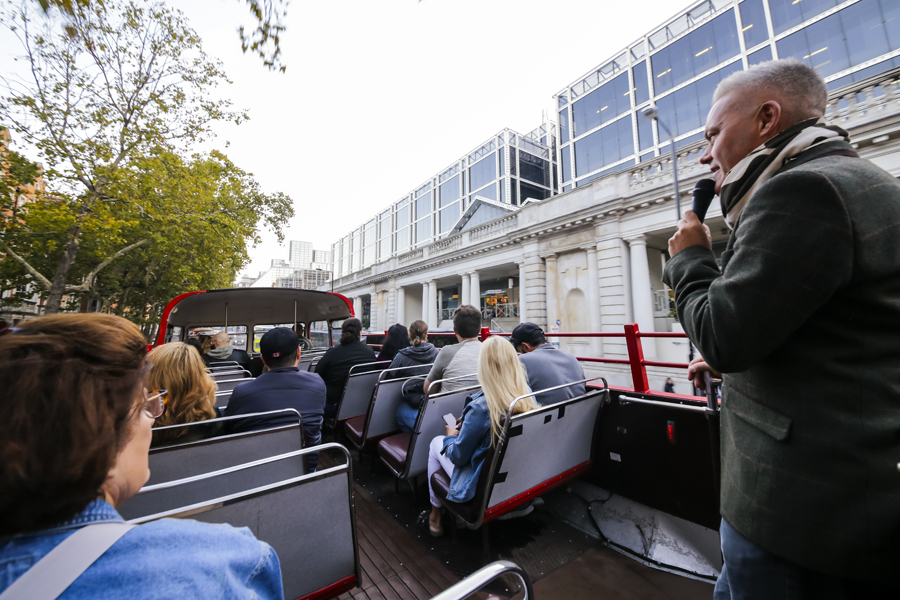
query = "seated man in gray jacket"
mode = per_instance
[{"x": 546, "y": 365}]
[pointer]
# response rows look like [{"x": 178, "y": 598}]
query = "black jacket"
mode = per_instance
[
  {"x": 238, "y": 356},
  {"x": 412, "y": 356},
  {"x": 335, "y": 365}
]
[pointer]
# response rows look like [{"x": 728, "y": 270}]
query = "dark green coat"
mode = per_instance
[{"x": 804, "y": 321}]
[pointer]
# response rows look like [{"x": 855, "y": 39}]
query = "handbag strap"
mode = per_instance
[{"x": 53, "y": 574}]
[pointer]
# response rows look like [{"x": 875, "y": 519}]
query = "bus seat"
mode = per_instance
[
  {"x": 537, "y": 451},
  {"x": 375, "y": 421},
  {"x": 226, "y": 375},
  {"x": 228, "y": 385},
  {"x": 221, "y": 365},
  {"x": 406, "y": 454},
  {"x": 308, "y": 519},
  {"x": 358, "y": 392}
]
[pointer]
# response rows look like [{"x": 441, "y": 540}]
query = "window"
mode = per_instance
[
  {"x": 847, "y": 38},
  {"x": 788, "y": 13},
  {"x": 699, "y": 51},
  {"x": 686, "y": 109},
  {"x": 482, "y": 172},
  {"x": 645, "y": 131},
  {"x": 762, "y": 55},
  {"x": 564, "y": 125},
  {"x": 502, "y": 183},
  {"x": 608, "y": 145},
  {"x": 401, "y": 239},
  {"x": 502, "y": 157},
  {"x": 885, "y": 65},
  {"x": 423, "y": 206},
  {"x": 566, "y": 164},
  {"x": 601, "y": 105},
  {"x": 423, "y": 230},
  {"x": 489, "y": 192},
  {"x": 450, "y": 191},
  {"x": 534, "y": 169},
  {"x": 641, "y": 90},
  {"x": 605, "y": 172},
  {"x": 532, "y": 191},
  {"x": 449, "y": 217},
  {"x": 753, "y": 23}
]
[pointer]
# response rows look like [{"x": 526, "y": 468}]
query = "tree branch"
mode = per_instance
[
  {"x": 86, "y": 286},
  {"x": 31, "y": 270}
]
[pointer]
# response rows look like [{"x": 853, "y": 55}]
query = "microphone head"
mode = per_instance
[{"x": 704, "y": 191}]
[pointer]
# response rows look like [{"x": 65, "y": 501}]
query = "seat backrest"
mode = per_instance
[
  {"x": 543, "y": 444},
  {"x": 358, "y": 389},
  {"x": 222, "y": 399},
  {"x": 227, "y": 385},
  {"x": 226, "y": 375},
  {"x": 313, "y": 363},
  {"x": 192, "y": 459},
  {"x": 430, "y": 423},
  {"x": 221, "y": 365},
  {"x": 381, "y": 418},
  {"x": 307, "y": 519}
]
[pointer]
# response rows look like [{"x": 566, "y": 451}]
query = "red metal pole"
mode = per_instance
[
  {"x": 485, "y": 333},
  {"x": 636, "y": 357}
]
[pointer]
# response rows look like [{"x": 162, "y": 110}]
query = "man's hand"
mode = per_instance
[
  {"x": 691, "y": 232},
  {"x": 696, "y": 370}
]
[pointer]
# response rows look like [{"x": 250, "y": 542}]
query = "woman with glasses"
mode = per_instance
[
  {"x": 177, "y": 368},
  {"x": 75, "y": 430}
]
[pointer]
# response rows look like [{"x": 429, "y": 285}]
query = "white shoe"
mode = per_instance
[{"x": 515, "y": 514}]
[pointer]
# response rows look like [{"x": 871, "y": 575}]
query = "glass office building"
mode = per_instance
[
  {"x": 677, "y": 67},
  {"x": 509, "y": 168}
]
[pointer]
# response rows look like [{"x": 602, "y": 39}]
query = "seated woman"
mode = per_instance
[
  {"x": 461, "y": 453},
  {"x": 75, "y": 419},
  {"x": 397, "y": 339},
  {"x": 335, "y": 364},
  {"x": 419, "y": 353},
  {"x": 178, "y": 369}
]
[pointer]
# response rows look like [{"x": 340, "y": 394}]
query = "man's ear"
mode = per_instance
[{"x": 769, "y": 115}]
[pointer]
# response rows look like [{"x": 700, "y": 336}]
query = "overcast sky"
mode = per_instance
[{"x": 381, "y": 94}]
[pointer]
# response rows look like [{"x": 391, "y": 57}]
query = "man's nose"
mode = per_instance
[{"x": 706, "y": 157}]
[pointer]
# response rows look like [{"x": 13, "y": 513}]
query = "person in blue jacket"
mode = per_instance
[
  {"x": 461, "y": 452},
  {"x": 75, "y": 430}
]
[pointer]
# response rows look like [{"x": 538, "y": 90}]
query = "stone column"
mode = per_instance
[
  {"x": 465, "y": 291},
  {"x": 357, "y": 307},
  {"x": 641, "y": 291},
  {"x": 432, "y": 305},
  {"x": 523, "y": 312},
  {"x": 425, "y": 302},
  {"x": 552, "y": 275},
  {"x": 440, "y": 306},
  {"x": 475, "y": 290},
  {"x": 401, "y": 306},
  {"x": 593, "y": 298}
]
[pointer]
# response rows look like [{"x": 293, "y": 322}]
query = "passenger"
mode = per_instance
[
  {"x": 178, "y": 369},
  {"x": 461, "y": 453},
  {"x": 459, "y": 359},
  {"x": 75, "y": 419},
  {"x": 206, "y": 344},
  {"x": 419, "y": 353},
  {"x": 546, "y": 365},
  {"x": 335, "y": 364},
  {"x": 196, "y": 345},
  {"x": 799, "y": 315},
  {"x": 225, "y": 352},
  {"x": 670, "y": 386},
  {"x": 397, "y": 340},
  {"x": 283, "y": 386}
]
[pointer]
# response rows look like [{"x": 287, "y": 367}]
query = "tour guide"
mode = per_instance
[{"x": 801, "y": 317}]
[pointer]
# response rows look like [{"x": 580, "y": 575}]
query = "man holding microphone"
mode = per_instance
[{"x": 802, "y": 318}]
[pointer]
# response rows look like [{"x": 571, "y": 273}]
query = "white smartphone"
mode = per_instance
[{"x": 450, "y": 420}]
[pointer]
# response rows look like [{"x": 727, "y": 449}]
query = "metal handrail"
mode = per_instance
[
  {"x": 512, "y": 405},
  {"x": 484, "y": 576},
  {"x": 626, "y": 399}
]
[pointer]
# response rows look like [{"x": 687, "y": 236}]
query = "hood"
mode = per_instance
[
  {"x": 221, "y": 353},
  {"x": 420, "y": 353}
]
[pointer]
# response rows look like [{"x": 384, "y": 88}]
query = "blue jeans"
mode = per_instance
[
  {"x": 406, "y": 417},
  {"x": 751, "y": 573}
]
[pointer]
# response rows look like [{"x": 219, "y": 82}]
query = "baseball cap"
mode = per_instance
[
  {"x": 278, "y": 341},
  {"x": 525, "y": 333}
]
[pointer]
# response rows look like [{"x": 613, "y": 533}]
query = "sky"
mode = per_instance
[{"x": 379, "y": 95}]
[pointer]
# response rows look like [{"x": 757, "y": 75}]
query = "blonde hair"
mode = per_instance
[
  {"x": 418, "y": 332},
  {"x": 503, "y": 379},
  {"x": 205, "y": 344},
  {"x": 177, "y": 368}
]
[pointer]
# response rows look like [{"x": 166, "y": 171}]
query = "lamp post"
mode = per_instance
[
  {"x": 652, "y": 113},
  {"x": 331, "y": 277}
]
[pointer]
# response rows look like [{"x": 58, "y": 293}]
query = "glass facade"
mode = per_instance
[{"x": 678, "y": 66}]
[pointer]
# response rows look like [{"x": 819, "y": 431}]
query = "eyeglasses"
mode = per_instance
[{"x": 155, "y": 403}]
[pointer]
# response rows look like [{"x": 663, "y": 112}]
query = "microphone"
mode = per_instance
[{"x": 704, "y": 190}]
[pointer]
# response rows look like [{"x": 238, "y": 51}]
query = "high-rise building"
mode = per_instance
[{"x": 305, "y": 268}]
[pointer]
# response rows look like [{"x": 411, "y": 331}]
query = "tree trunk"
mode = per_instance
[{"x": 58, "y": 285}]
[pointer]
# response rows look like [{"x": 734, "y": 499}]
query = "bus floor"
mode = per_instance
[{"x": 400, "y": 560}]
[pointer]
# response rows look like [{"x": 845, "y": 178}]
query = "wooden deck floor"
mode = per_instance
[{"x": 395, "y": 566}]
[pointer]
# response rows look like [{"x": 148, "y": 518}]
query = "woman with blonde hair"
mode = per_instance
[
  {"x": 462, "y": 452},
  {"x": 179, "y": 369}
]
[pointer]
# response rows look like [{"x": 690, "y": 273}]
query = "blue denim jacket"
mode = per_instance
[
  {"x": 466, "y": 451},
  {"x": 169, "y": 558}
]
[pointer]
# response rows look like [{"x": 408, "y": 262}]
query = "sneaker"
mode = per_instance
[{"x": 515, "y": 514}]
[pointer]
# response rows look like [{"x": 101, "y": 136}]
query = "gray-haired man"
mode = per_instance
[{"x": 801, "y": 317}]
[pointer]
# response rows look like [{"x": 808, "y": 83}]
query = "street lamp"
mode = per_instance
[
  {"x": 652, "y": 113},
  {"x": 331, "y": 274}
]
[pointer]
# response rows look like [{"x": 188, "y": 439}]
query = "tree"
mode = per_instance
[
  {"x": 126, "y": 82},
  {"x": 265, "y": 40}
]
